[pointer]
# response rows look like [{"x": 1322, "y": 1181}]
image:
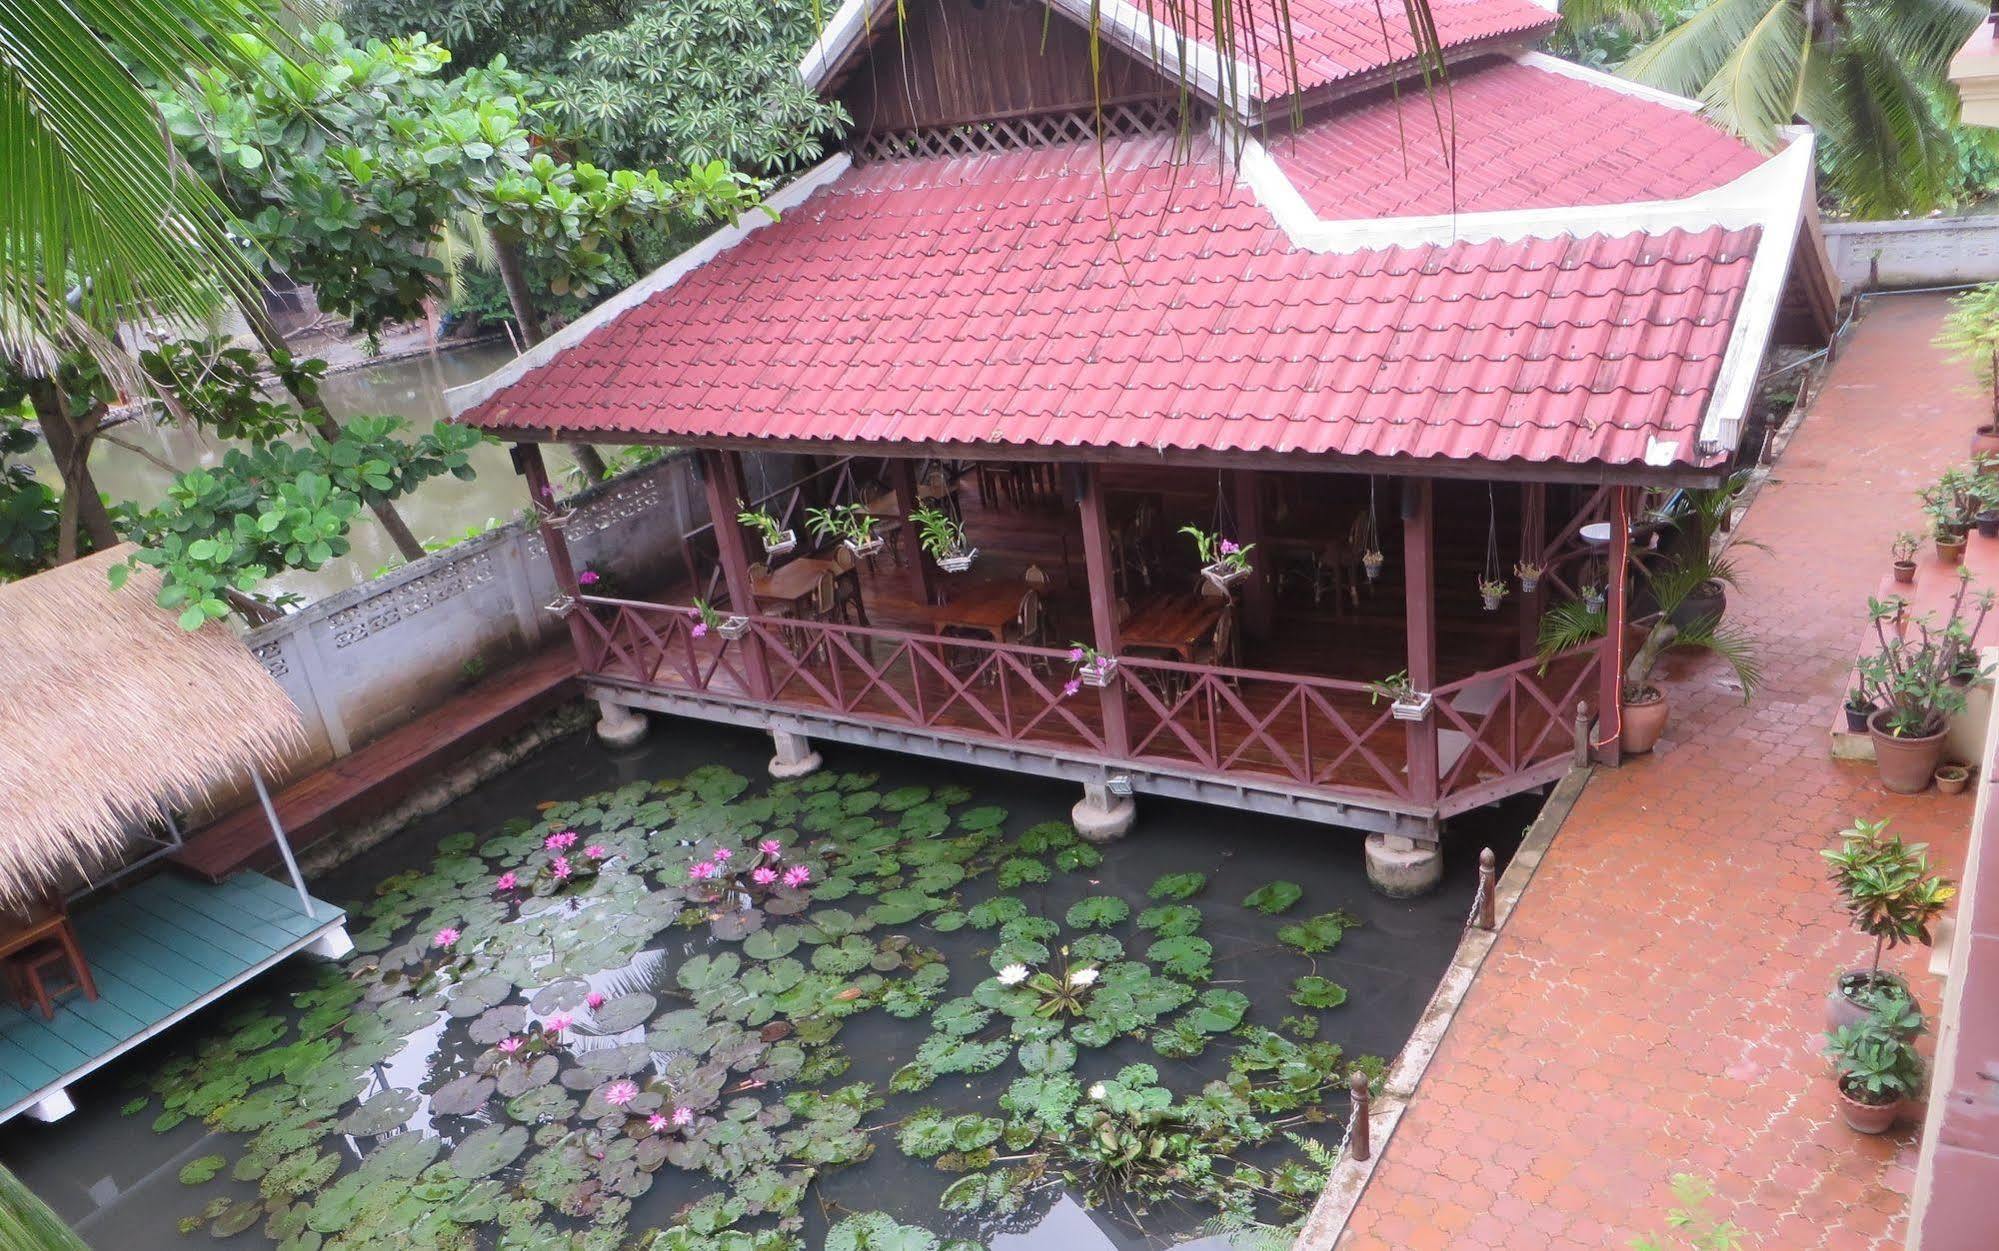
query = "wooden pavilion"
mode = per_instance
[
  {"x": 1285, "y": 306},
  {"x": 116, "y": 718}
]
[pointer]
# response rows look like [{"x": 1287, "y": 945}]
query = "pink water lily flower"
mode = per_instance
[
  {"x": 446, "y": 938},
  {"x": 722, "y": 855},
  {"x": 796, "y": 876},
  {"x": 560, "y": 840},
  {"x": 701, "y": 870},
  {"x": 509, "y": 1046},
  {"x": 557, "y": 1023},
  {"x": 595, "y": 999},
  {"x": 764, "y": 876},
  {"x": 595, "y": 851},
  {"x": 506, "y": 881},
  {"x": 559, "y": 866},
  {"x": 655, "y": 1122},
  {"x": 620, "y": 1093},
  {"x": 683, "y": 1116},
  {"x": 770, "y": 847}
]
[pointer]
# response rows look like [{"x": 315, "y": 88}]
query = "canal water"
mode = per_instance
[
  {"x": 118, "y": 1182},
  {"x": 413, "y": 388}
]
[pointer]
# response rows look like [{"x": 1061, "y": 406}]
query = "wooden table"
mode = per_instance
[
  {"x": 793, "y": 584},
  {"x": 1172, "y": 623},
  {"x": 985, "y": 608}
]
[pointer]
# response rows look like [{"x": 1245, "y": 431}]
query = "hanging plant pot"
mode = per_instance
[
  {"x": 734, "y": 626},
  {"x": 1370, "y": 564},
  {"x": 864, "y": 547},
  {"x": 781, "y": 545},
  {"x": 1491, "y": 600},
  {"x": 1412, "y": 707},
  {"x": 1224, "y": 575},
  {"x": 1528, "y": 582},
  {"x": 1593, "y": 600},
  {"x": 1098, "y": 672},
  {"x": 958, "y": 562}
]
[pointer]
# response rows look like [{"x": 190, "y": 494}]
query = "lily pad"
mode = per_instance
[
  {"x": 195, "y": 1172},
  {"x": 1317, "y": 992},
  {"x": 486, "y": 1151},
  {"x": 385, "y": 1111},
  {"x": 1273, "y": 897},
  {"x": 625, "y": 1012},
  {"x": 563, "y": 995},
  {"x": 498, "y": 1023},
  {"x": 462, "y": 1096},
  {"x": 1177, "y": 886},
  {"x": 1097, "y": 911}
]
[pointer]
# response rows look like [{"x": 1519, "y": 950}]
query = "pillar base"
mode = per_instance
[
  {"x": 1101, "y": 817},
  {"x": 1402, "y": 868},
  {"x": 619, "y": 726},
  {"x": 795, "y": 757}
]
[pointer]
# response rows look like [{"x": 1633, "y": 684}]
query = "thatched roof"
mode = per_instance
[{"x": 108, "y": 710}]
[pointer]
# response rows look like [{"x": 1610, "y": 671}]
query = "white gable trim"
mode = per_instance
[
  {"x": 1119, "y": 22},
  {"x": 1609, "y": 82},
  {"x": 459, "y": 399}
]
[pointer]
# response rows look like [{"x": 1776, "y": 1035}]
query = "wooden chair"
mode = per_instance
[
  {"x": 759, "y": 571},
  {"x": 848, "y": 607},
  {"x": 33, "y": 945}
]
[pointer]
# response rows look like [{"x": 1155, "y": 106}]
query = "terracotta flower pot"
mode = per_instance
[
  {"x": 1985, "y": 441},
  {"x": 1644, "y": 721},
  {"x": 1905, "y": 571},
  {"x": 1842, "y": 1009},
  {"x": 1867, "y": 1118},
  {"x": 1906, "y": 763},
  {"x": 1952, "y": 778},
  {"x": 1950, "y": 551}
]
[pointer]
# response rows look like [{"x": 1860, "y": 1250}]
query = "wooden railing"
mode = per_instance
[
  {"x": 1514, "y": 720},
  {"x": 1314, "y": 733}
]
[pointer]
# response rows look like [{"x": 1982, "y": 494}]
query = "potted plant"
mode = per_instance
[
  {"x": 943, "y": 536},
  {"x": 1952, "y": 503},
  {"x": 1529, "y": 574},
  {"x": 1592, "y": 599},
  {"x": 1950, "y": 545},
  {"x": 1671, "y": 583},
  {"x": 707, "y": 617},
  {"x": 1092, "y": 669},
  {"x": 1490, "y": 592},
  {"x": 1371, "y": 561},
  {"x": 1406, "y": 703},
  {"x": 1953, "y": 777},
  {"x": 777, "y": 540},
  {"x": 1858, "y": 707},
  {"x": 1971, "y": 334},
  {"x": 1910, "y": 682},
  {"x": 1223, "y": 561},
  {"x": 1904, "y": 548},
  {"x": 1892, "y": 897},
  {"x": 847, "y": 523},
  {"x": 1877, "y": 1070}
]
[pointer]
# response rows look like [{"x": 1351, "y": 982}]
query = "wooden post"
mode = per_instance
[
  {"x": 1533, "y": 541},
  {"x": 723, "y": 477},
  {"x": 1610, "y": 709},
  {"x": 922, "y": 574},
  {"x": 1358, "y": 1145},
  {"x": 1488, "y": 890},
  {"x": 1259, "y": 591},
  {"x": 529, "y": 464},
  {"x": 1420, "y": 616},
  {"x": 1103, "y": 603}
]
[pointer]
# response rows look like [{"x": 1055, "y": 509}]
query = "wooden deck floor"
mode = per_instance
[{"x": 158, "y": 951}]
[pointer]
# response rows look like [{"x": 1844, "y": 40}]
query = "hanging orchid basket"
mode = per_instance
[
  {"x": 864, "y": 547},
  {"x": 1371, "y": 563},
  {"x": 1098, "y": 672},
  {"x": 1529, "y": 575},
  {"x": 1593, "y": 598},
  {"x": 958, "y": 562},
  {"x": 782, "y": 544},
  {"x": 1224, "y": 574},
  {"x": 1413, "y": 706},
  {"x": 1491, "y": 591},
  {"x": 733, "y": 626}
]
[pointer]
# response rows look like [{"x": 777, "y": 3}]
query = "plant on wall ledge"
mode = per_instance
[{"x": 1916, "y": 680}]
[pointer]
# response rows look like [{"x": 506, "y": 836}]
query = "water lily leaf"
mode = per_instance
[
  {"x": 1273, "y": 897},
  {"x": 1030, "y": 929},
  {"x": 1185, "y": 956},
  {"x": 384, "y": 1111},
  {"x": 911, "y": 1078},
  {"x": 462, "y": 1096},
  {"x": 737, "y": 925},
  {"x": 195, "y": 1172},
  {"x": 1218, "y": 1011},
  {"x": 1317, "y": 934},
  {"x": 1097, "y": 911},
  {"x": 1170, "y": 920},
  {"x": 875, "y": 1231},
  {"x": 949, "y": 922},
  {"x": 1177, "y": 886},
  {"x": 544, "y": 1103},
  {"x": 994, "y": 913},
  {"x": 516, "y": 1078},
  {"x": 984, "y": 818},
  {"x": 563, "y": 995},
  {"x": 941, "y": 1053},
  {"x": 1095, "y": 949},
  {"x": 498, "y": 1023},
  {"x": 708, "y": 972},
  {"x": 1317, "y": 992},
  {"x": 1050, "y": 1056},
  {"x": 850, "y": 955},
  {"x": 236, "y": 1218},
  {"x": 830, "y": 924},
  {"x": 474, "y": 996},
  {"x": 770, "y": 944},
  {"x": 903, "y": 798},
  {"x": 625, "y": 1012},
  {"x": 488, "y": 1150},
  {"x": 1081, "y": 856},
  {"x": 1020, "y": 871},
  {"x": 960, "y": 1017}
]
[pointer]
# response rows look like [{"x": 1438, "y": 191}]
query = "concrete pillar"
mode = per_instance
[
  {"x": 618, "y": 725},
  {"x": 1102, "y": 817},
  {"x": 795, "y": 757},
  {"x": 1401, "y": 867}
]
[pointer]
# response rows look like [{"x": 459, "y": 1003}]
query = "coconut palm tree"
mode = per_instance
[{"x": 1869, "y": 75}]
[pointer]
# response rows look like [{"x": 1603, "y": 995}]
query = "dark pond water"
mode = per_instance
[{"x": 120, "y": 1183}]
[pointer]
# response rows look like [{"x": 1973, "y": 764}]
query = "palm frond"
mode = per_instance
[
  {"x": 1683, "y": 59},
  {"x": 1730, "y": 642},
  {"x": 1755, "y": 90},
  {"x": 1567, "y": 626}
]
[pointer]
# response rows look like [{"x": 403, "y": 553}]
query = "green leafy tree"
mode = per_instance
[
  {"x": 1971, "y": 334},
  {"x": 533, "y": 34}
]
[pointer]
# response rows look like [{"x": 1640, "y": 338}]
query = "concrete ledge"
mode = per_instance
[{"x": 1348, "y": 1180}]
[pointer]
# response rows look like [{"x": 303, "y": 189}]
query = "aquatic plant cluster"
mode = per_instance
[{"x": 584, "y": 1054}]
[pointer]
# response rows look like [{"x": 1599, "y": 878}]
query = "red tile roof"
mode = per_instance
[
  {"x": 1336, "y": 39},
  {"x": 985, "y": 300},
  {"x": 1515, "y": 131}
]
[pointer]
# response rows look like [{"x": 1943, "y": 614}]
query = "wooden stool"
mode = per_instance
[{"x": 30, "y": 972}]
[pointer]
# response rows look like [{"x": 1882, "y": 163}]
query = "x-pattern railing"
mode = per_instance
[{"x": 1527, "y": 722}]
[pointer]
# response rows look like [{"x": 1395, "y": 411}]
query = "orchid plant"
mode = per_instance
[
  {"x": 764, "y": 524},
  {"x": 706, "y": 618},
  {"x": 1217, "y": 552}
]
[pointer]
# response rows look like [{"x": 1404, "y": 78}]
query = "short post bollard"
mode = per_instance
[
  {"x": 1357, "y": 1144},
  {"x": 1488, "y": 890}
]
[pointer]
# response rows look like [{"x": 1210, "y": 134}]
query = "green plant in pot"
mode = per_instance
[
  {"x": 943, "y": 536},
  {"x": 1906, "y": 544},
  {"x": 845, "y": 523},
  {"x": 1917, "y": 677},
  {"x": 1671, "y": 583},
  {"x": 1876, "y": 1067},
  {"x": 1892, "y": 897},
  {"x": 1952, "y": 504},
  {"x": 776, "y": 539}
]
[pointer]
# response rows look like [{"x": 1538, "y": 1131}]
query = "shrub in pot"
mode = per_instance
[
  {"x": 1916, "y": 677},
  {"x": 1858, "y": 707},
  {"x": 1952, "y": 777},
  {"x": 1876, "y": 1070},
  {"x": 1905, "y": 547},
  {"x": 1671, "y": 584},
  {"x": 1892, "y": 897}
]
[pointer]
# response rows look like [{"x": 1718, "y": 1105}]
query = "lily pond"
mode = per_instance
[{"x": 629, "y": 1000}]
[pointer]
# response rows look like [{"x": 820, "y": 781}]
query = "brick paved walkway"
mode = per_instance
[{"x": 1655, "y": 1003}]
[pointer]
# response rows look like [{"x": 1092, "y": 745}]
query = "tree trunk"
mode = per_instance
[
  {"x": 69, "y": 446},
  {"x": 1655, "y": 644},
  {"x": 513, "y": 274},
  {"x": 629, "y": 246},
  {"x": 322, "y": 420}
]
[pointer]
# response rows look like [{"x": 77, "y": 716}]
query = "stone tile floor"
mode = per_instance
[{"x": 1654, "y": 1005}]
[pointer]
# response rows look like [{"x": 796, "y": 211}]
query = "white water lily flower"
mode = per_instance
[
  {"x": 1013, "y": 975},
  {"x": 1097, "y": 1091},
  {"x": 1082, "y": 977}
]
